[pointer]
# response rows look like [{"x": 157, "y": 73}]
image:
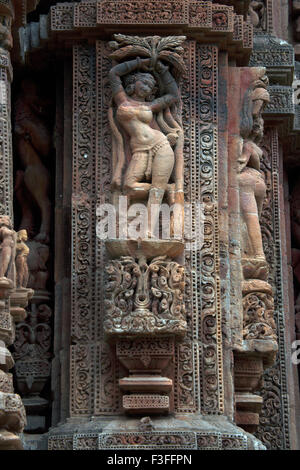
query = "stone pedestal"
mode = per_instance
[
  {"x": 12, "y": 412},
  {"x": 32, "y": 356},
  {"x": 250, "y": 361}
]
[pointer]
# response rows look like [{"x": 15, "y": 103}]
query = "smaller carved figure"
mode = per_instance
[
  {"x": 37, "y": 265},
  {"x": 257, "y": 13},
  {"x": 21, "y": 259},
  {"x": 6, "y": 41},
  {"x": 251, "y": 181},
  {"x": 146, "y": 424},
  {"x": 33, "y": 144},
  {"x": 7, "y": 247}
]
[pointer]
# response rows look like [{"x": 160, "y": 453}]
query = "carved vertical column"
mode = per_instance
[
  {"x": 259, "y": 341},
  {"x": 13, "y": 299},
  {"x": 145, "y": 283},
  {"x": 33, "y": 153}
]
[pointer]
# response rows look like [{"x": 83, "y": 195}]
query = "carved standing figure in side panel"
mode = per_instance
[
  {"x": 257, "y": 13},
  {"x": 7, "y": 247},
  {"x": 22, "y": 253},
  {"x": 6, "y": 40},
  {"x": 251, "y": 181},
  {"x": 33, "y": 144},
  {"x": 153, "y": 134}
]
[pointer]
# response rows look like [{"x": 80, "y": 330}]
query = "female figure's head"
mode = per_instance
[
  {"x": 253, "y": 105},
  {"x": 142, "y": 85},
  {"x": 5, "y": 221},
  {"x": 22, "y": 235}
]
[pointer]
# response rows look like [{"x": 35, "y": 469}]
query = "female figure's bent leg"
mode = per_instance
[
  {"x": 6, "y": 254},
  {"x": 136, "y": 173},
  {"x": 162, "y": 168},
  {"x": 250, "y": 183}
]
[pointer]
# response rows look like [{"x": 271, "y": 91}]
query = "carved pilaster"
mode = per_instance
[{"x": 258, "y": 347}]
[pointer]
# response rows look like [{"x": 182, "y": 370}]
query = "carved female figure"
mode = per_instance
[
  {"x": 33, "y": 142},
  {"x": 7, "y": 247},
  {"x": 251, "y": 181},
  {"x": 22, "y": 252},
  {"x": 152, "y": 156}
]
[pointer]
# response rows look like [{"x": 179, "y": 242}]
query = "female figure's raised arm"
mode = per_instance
[
  {"x": 118, "y": 71},
  {"x": 170, "y": 87}
]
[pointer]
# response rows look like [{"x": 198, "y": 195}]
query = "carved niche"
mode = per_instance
[
  {"x": 259, "y": 347},
  {"x": 32, "y": 135}
]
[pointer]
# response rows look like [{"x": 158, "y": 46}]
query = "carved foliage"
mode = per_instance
[
  {"x": 62, "y": 17},
  {"x": 83, "y": 187},
  {"x": 81, "y": 364},
  {"x": 258, "y": 316},
  {"x": 143, "y": 298},
  {"x": 85, "y": 14}
]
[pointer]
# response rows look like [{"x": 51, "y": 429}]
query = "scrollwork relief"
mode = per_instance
[{"x": 144, "y": 298}]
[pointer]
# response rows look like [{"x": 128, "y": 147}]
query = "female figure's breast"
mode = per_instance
[{"x": 136, "y": 121}]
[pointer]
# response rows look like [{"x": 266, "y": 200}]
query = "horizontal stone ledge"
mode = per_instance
[
  {"x": 281, "y": 101},
  {"x": 155, "y": 440},
  {"x": 192, "y": 15}
]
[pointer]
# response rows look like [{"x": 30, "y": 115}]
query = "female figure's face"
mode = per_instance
[{"x": 143, "y": 89}]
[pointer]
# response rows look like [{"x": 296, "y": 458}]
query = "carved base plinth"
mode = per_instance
[
  {"x": 32, "y": 375},
  {"x": 10, "y": 441},
  {"x": 163, "y": 433},
  {"x": 6, "y": 382},
  {"x": 7, "y": 328},
  {"x": 35, "y": 407},
  {"x": 149, "y": 383},
  {"x": 33, "y": 366},
  {"x": 18, "y": 302},
  {"x": 138, "y": 404},
  {"x": 146, "y": 359},
  {"x": 250, "y": 361},
  {"x": 12, "y": 412},
  {"x": 258, "y": 310},
  {"x": 248, "y": 371},
  {"x": 143, "y": 322},
  {"x": 6, "y": 285},
  {"x": 248, "y": 408}
]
